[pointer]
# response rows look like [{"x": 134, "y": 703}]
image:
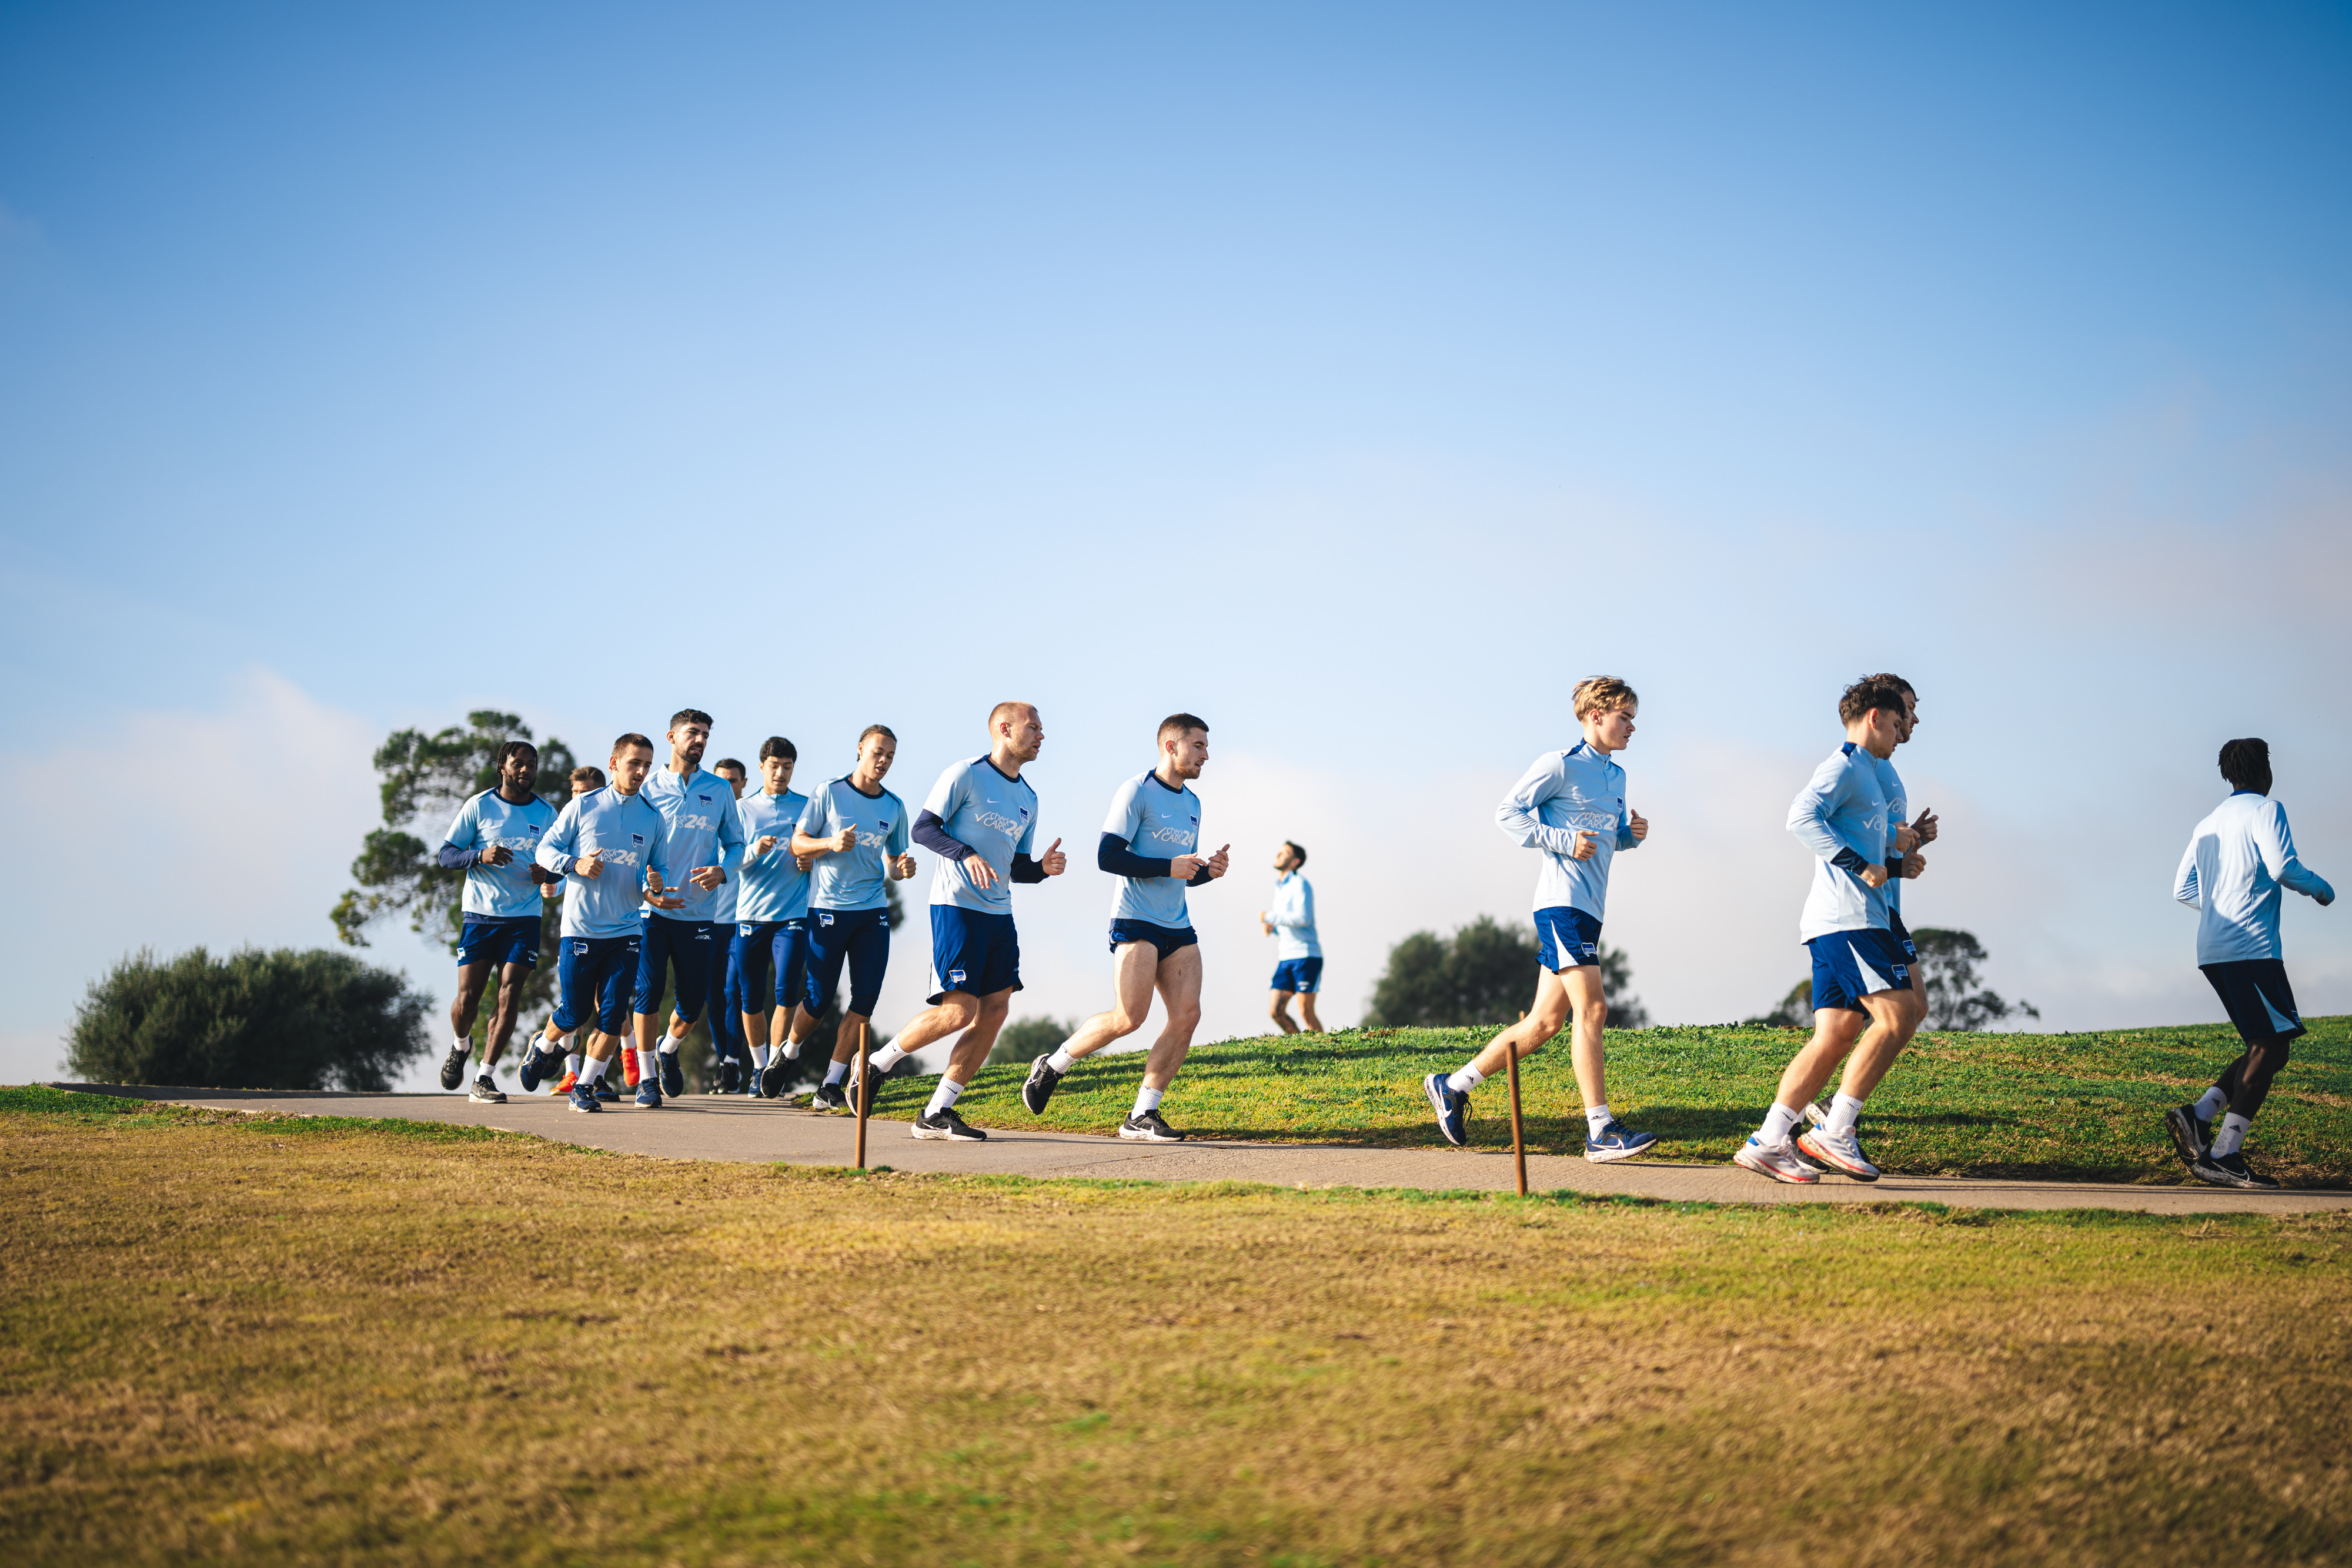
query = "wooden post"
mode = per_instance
[
  {"x": 865, "y": 1089},
  {"x": 1518, "y": 1137}
]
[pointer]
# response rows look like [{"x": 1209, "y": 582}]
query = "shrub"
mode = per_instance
[
  {"x": 254, "y": 1019},
  {"x": 1019, "y": 1044},
  {"x": 1484, "y": 973}
]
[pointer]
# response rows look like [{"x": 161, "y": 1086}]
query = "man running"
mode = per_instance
[
  {"x": 494, "y": 837},
  {"x": 1570, "y": 806},
  {"x": 1297, "y": 954},
  {"x": 584, "y": 779},
  {"x": 1151, "y": 841},
  {"x": 771, "y": 916},
  {"x": 981, "y": 819},
  {"x": 608, "y": 845},
  {"x": 2239, "y": 858},
  {"x": 1861, "y": 976},
  {"x": 729, "y": 1062},
  {"x": 705, "y": 837},
  {"x": 856, "y": 833}
]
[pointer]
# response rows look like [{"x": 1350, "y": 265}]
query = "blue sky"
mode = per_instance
[{"x": 1358, "y": 377}]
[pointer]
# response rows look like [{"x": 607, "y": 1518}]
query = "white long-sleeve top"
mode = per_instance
[
  {"x": 1292, "y": 915},
  {"x": 2239, "y": 858}
]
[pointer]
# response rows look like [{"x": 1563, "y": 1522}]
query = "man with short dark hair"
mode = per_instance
[
  {"x": 856, "y": 833},
  {"x": 698, "y": 813},
  {"x": 771, "y": 916},
  {"x": 1298, "y": 951},
  {"x": 494, "y": 837},
  {"x": 2239, "y": 859},
  {"x": 584, "y": 779},
  {"x": 1151, "y": 842},
  {"x": 725, "y": 1005}
]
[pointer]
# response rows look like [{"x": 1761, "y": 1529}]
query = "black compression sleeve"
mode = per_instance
[
  {"x": 1848, "y": 860},
  {"x": 451, "y": 857},
  {"x": 932, "y": 834},
  {"x": 1113, "y": 856},
  {"x": 1027, "y": 869},
  {"x": 1200, "y": 877}
]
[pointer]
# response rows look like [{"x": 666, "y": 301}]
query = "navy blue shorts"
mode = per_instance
[
  {"x": 972, "y": 950},
  {"x": 1299, "y": 975},
  {"x": 1566, "y": 938},
  {"x": 594, "y": 972},
  {"x": 2259, "y": 999},
  {"x": 680, "y": 945},
  {"x": 726, "y": 1007},
  {"x": 1166, "y": 939},
  {"x": 759, "y": 947},
  {"x": 499, "y": 942},
  {"x": 1851, "y": 965},
  {"x": 1902, "y": 935},
  {"x": 862, "y": 937}
]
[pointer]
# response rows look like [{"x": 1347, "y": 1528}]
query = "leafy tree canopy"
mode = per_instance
[
  {"x": 1948, "y": 963},
  {"x": 1484, "y": 973},
  {"x": 1024, "y": 1043}
]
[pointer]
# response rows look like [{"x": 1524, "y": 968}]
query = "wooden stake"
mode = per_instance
[
  {"x": 865, "y": 1084},
  {"x": 1519, "y": 1138}
]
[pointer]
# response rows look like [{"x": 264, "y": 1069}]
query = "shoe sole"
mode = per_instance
[
  {"x": 1829, "y": 1160},
  {"x": 589, "y": 1109},
  {"x": 1744, "y": 1163},
  {"x": 488, "y": 1099},
  {"x": 942, "y": 1134},
  {"x": 1607, "y": 1157},
  {"x": 1428, "y": 1092},
  {"x": 1139, "y": 1136},
  {"x": 2182, "y": 1126}
]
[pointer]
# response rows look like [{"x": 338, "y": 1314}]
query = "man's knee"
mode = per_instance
[
  {"x": 1185, "y": 1016},
  {"x": 1279, "y": 1005}
]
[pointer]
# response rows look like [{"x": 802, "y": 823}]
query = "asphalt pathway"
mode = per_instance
[{"x": 727, "y": 1127}]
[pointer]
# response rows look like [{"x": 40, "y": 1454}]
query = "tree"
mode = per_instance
[
  {"x": 423, "y": 780},
  {"x": 1484, "y": 973},
  {"x": 1950, "y": 959},
  {"x": 1795, "y": 1011},
  {"x": 1022, "y": 1043},
  {"x": 280, "y": 1020}
]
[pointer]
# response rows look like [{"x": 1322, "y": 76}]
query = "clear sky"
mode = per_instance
[{"x": 1359, "y": 377}]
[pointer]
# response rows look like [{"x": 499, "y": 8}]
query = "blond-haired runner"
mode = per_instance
[
  {"x": 1150, "y": 841},
  {"x": 1570, "y": 806}
]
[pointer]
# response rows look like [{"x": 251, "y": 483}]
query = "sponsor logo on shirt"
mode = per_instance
[
  {"x": 1002, "y": 823},
  {"x": 1174, "y": 835}
]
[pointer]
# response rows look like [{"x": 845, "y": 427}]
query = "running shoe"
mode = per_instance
[
  {"x": 1617, "y": 1141},
  {"x": 453, "y": 1066},
  {"x": 771, "y": 1080},
  {"x": 947, "y": 1124},
  {"x": 1817, "y": 1114},
  {"x": 606, "y": 1093},
  {"x": 2192, "y": 1138},
  {"x": 828, "y": 1097},
  {"x": 1453, "y": 1108},
  {"x": 730, "y": 1078},
  {"x": 533, "y": 1068},
  {"x": 1778, "y": 1161},
  {"x": 649, "y": 1096},
  {"x": 1038, "y": 1091},
  {"x": 583, "y": 1097},
  {"x": 486, "y": 1092},
  {"x": 571, "y": 1081},
  {"x": 2232, "y": 1170},
  {"x": 629, "y": 1073},
  {"x": 1150, "y": 1128},
  {"x": 1840, "y": 1152},
  {"x": 673, "y": 1074}
]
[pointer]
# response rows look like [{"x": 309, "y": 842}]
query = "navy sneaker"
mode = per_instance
[
  {"x": 2192, "y": 1138},
  {"x": 1453, "y": 1108},
  {"x": 829, "y": 1097},
  {"x": 772, "y": 1078},
  {"x": 730, "y": 1078},
  {"x": 649, "y": 1096},
  {"x": 1617, "y": 1141},
  {"x": 583, "y": 1097},
  {"x": 606, "y": 1093},
  {"x": 673, "y": 1074},
  {"x": 532, "y": 1070},
  {"x": 453, "y": 1066}
]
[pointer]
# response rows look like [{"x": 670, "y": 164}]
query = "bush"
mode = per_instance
[
  {"x": 1485, "y": 973},
  {"x": 281, "y": 1019},
  {"x": 1019, "y": 1044}
]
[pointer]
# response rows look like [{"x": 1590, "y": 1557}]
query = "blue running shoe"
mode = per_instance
[
  {"x": 529, "y": 1072},
  {"x": 673, "y": 1075},
  {"x": 648, "y": 1094},
  {"x": 1453, "y": 1108},
  {"x": 606, "y": 1093},
  {"x": 1616, "y": 1142},
  {"x": 583, "y": 1097}
]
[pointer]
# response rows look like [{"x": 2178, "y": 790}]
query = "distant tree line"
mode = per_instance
[{"x": 1484, "y": 973}]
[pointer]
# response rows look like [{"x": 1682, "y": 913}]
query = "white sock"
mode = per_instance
[
  {"x": 760, "y": 1056},
  {"x": 669, "y": 1045},
  {"x": 2232, "y": 1133},
  {"x": 572, "y": 1061},
  {"x": 1595, "y": 1118},
  {"x": 648, "y": 1065},
  {"x": 836, "y": 1072},
  {"x": 1147, "y": 1100},
  {"x": 1844, "y": 1111},
  {"x": 792, "y": 1049},
  {"x": 462, "y": 1042},
  {"x": 889, "y": 1057},
  {"x": 1061, "y": 1060},
  {"x": 2212, "y": 1104},
  {"x": 944, "y": 1097},
  {"x": 591, "y": 1072},
  {"x": 1467, "y": 1080},
  {"x": 1777, "y": 1122}
]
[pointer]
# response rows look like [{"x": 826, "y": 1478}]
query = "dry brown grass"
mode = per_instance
[{"x": 286, "y": 1342}]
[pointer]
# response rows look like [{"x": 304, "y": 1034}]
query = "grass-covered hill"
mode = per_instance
[{"x": 2066, "y": 1106}]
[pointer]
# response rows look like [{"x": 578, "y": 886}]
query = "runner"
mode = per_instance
[
  {"x": 1861, "y": 977},
  {"x": 1152, "y": 938},
  {"x": 729, "y": 1063},
  {"x": 583, "y": 780},
  {"x": 1297, "y": 954},
  {"x": 981, "y": 819},
  {"x": 1570, "y": 806},
  {"x": 855, "y": 832},
  {"x": 494, "y": 836},
  {"x": 698, "y": 812},
  {"x": 771, "y": 916},
  {"x": 2239, "y": 858},
  {"x": 608, "y": 846}
]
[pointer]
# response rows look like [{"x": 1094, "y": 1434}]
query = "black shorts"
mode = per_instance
[
  {"x": 1164, "y": 939},
  {"x": 2259, "y": 1001}
]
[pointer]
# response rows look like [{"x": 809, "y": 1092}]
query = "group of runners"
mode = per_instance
[{"x": 753, "y": 904}]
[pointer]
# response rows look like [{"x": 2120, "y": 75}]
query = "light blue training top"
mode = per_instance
[
  {"x": 1562, "y": 793},
  {"x": 856, "y": 880},
  {"x": 1292, "y": 915},
  {"x": 699, "y": 813},
  {"x": 1841, "y": 816},
  {"x": 774, "y": 887},
  {"x": 996, "y": 817},
  {"x": 1898, "y": 809},
  {"x": 488, "y": 821},
  {"x": 631, "y": 834},
  {"x": 1158, "y": 823},
  {"x": 2239, "y": 859}
]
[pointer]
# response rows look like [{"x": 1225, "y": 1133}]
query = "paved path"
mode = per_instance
[{"x": 717, "y": 1128}]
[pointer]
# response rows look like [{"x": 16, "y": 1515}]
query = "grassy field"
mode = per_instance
[
  {"x": 296, "y": 1340},
  {"x": 2080, "y": 1106}
]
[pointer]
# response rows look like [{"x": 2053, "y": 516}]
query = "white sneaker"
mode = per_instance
[
  {"x": 1840, "y": 1152},
  {"x": 1778, "y": 1161}
]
